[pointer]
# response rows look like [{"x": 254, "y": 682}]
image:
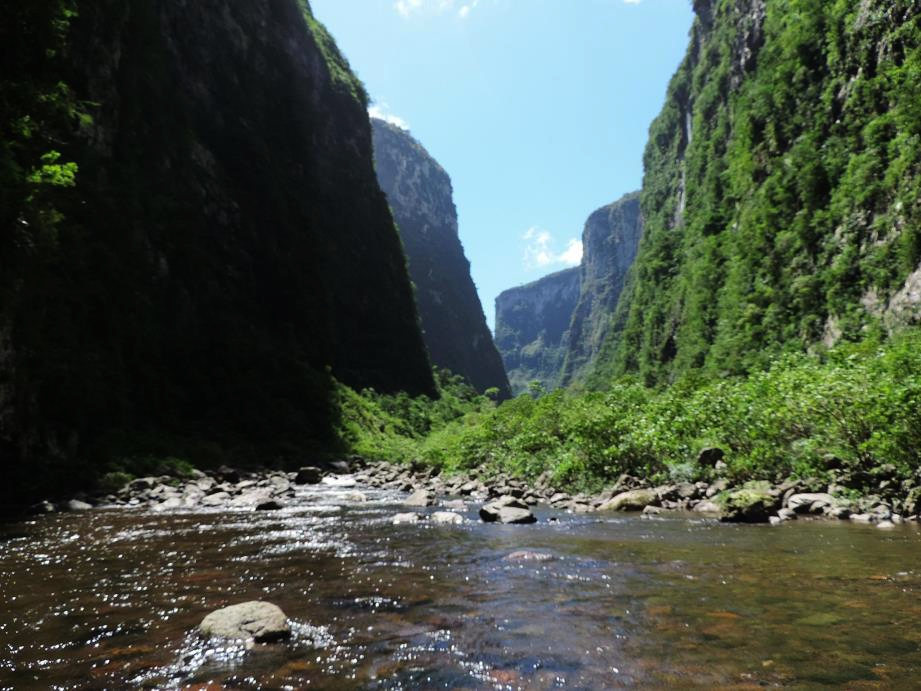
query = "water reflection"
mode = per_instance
[{"x": 111, "y": 599}]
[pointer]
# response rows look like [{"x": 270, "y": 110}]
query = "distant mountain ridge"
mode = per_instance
[
  {"x": 421, "y": 197},
  {"x": 552, "y": 329}
]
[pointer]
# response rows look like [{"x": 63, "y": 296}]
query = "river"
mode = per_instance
[{"x": 110, "y": 599}]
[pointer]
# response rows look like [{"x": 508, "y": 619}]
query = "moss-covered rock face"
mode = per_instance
[
  {"x": 782, "y": 187},
  {"x": 453, "y": 324},
  {"x": 532, "y": 327},
  {"x": 753, "y": 503},
  {"x": 225, "y": 249}
]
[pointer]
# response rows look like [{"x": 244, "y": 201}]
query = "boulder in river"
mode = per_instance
[
  {"x": 77, "y": 505},
  {"x": 527, "y": 555},
  {"x": 507, "y": 510},
  {"x": 308, "y": 475},
  {"x": 420, "y": 499},
  {"x": 633, "y": 500},
  {"x": 752, "y": 503},
  {"x": 813, "y": 503},
  {"x": 261, "y": 622},
  {"x": 269, "y": 505},
  {"x": 406, "y": 518},
  {"x": 447, "y": 518}
]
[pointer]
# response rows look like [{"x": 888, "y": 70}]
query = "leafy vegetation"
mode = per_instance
[
  {"x": 782, "y": 194},
  {"x": 856, "y": 408}
]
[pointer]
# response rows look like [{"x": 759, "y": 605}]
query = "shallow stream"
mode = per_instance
[{"x": 110, "y": 599}]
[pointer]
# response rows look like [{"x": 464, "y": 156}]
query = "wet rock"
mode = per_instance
[
  {"x": 228, "y": 475},
  {"x": 339, "y": 467},
  {"x": 885, "y": 525},
  {"x": 357, "y": 497},
  {"x": 170, "y": 504},
  {"x": 707, "y": 507},
  {"x": 339, "y": 481},
  {"x": 786, "y": 515},
  {"x": 455, "y": 505},
  {"x": 652, "y": 511},
  {"x": 507, "y": 510},
  {"x": 775, "y": 520},
  {"x": 634, "y": 500},
  {"x": 142, "y": 484},
  {"x": 753, "y": 503},
  {"x": 420, "y": 499},
  {"x": 42, "y": 508},
  {"x": 308, "y": 475},
  {"x": 216, "y": 499},
  {"x": 864, "y": 518},
  {"x": 406, "y": 518},
  {"x": 261, "y": 622},
  {"x": 447, "y": 518},
  {"x": 269, "y": 505},
  {"x": 527, "y": 555},
  {"x": 77, "y": 505},
  {"x": 812, "y": 503}
]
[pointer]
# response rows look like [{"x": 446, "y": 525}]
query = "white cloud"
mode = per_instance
[
  {"x": 465, "y": 10},
  {"x": 540, "y": 250},
  {"x": 382, "y": 112},
  {"x": 632, "y": 2},
  {"x": 407, "y": 8}
]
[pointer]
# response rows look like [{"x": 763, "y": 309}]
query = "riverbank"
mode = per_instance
[
  {"x": 748, "y": 502},
  {"x": 115, "y": 597}
]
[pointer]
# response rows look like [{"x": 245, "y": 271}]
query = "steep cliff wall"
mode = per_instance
[
  {"x": 782, "y": 187},
  {"x": 610, "y": 242},
  {"x": 225, "y": 248},
  {"x": 532, "y": 326},
  {"x": 420, "y": 194}
]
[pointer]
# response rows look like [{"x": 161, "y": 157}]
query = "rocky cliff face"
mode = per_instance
[
  {"x": 225, "y": 249},
  {"x": 781, "y": 190},
  {"x": 453, "y": 324},
  {"x": 532, "y": 327},
  {"x": 610, "y": 242}
]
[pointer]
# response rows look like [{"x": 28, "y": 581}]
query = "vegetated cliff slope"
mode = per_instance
[
  {"x": 421, "y": 197},
  {"x": 610, "y": 241},
  {"x": 782, "y": 195},
  {"x": 532, "y": 324},
  {"x": 225, "y": 242}
]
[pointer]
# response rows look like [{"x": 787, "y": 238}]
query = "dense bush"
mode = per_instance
[{"x": 858, "y": 404}]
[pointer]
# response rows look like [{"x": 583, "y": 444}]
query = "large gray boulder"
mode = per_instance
[
  {"x": 510, "y": 510},
  {"x": 419, "y": 499},
  {"x": 261, "y": 622},
  {"x": 634, "y": 500}
]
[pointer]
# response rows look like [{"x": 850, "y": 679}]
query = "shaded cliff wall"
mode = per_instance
[{"x": 421, "y": 197}]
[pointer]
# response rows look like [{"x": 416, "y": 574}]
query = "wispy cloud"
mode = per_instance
[
  {"x": 382, "y": 112},
  {"x": 460, "y": 8},
  {"x": 632, "y": 2},
  {"x": 540, "y": 250}
]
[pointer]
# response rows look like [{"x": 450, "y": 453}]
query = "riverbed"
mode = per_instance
[{"x": 111, "y": 598}]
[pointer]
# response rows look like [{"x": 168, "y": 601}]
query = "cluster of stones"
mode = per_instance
[
  {"x": 503, "y": 499},
  {"x": 751, "y": 502},
  {"x": 265, "y": 490}
]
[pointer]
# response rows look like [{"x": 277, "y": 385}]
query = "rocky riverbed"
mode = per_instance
[
  {"x": 160, "y": 587},
  {"x": 506, "y": 500}
]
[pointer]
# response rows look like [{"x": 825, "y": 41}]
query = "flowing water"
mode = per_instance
[{"x": 110, "y": 599}]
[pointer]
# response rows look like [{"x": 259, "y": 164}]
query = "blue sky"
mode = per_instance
[{"x": 538, "y": 109}]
